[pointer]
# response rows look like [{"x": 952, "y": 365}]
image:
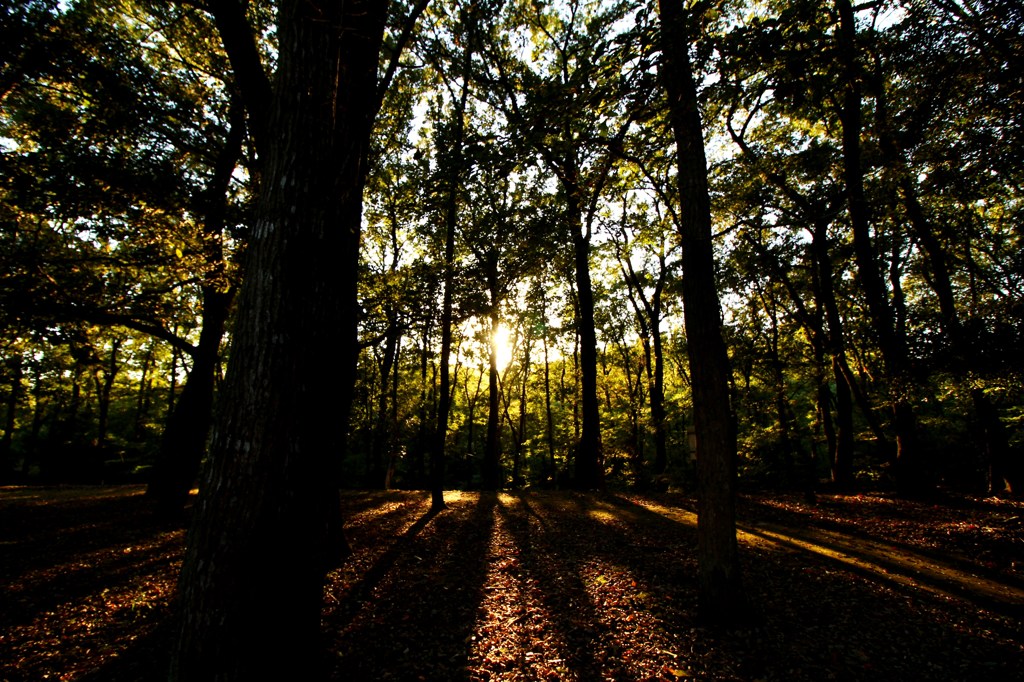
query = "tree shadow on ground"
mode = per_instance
[
  {"x": 515, "y": 587},
  {"x": 89, "y": 576},
  {"x": 411, "y": 616},
  {"x": 819, "y": 620}
]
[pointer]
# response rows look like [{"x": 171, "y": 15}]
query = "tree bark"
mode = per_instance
[
  {"x": 721, "y": 596},
  {"x": 267, "y": 524}
]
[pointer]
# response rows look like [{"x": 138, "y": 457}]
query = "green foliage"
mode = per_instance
[{"x": 114, "y": 114}]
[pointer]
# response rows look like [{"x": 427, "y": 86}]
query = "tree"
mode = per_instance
[
  {"x": 574, "y": 108},
  {"x": 266, "y": 526},
  {"x": 127, "y": 205},
  {"x": 452, "y": 165},
  {"x": 721, "y": 596}
]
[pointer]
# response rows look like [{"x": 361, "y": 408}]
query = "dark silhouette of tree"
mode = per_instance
[
  {"x": 267, "y": 524},
  {"x": 722, "y": 599}
]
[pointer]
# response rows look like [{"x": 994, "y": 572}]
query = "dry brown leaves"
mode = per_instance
[{"x": 529, "y": 586}]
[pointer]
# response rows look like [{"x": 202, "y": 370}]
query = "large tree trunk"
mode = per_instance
[
  {"x": 267, "y": 524},
  {"x": 721, "y": 596}
]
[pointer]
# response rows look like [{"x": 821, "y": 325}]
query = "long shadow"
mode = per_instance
[
  {"x": 360, "y": 593},
  {"x": 411, "y": 615},
  {"x": 355, "y": 502},
  {"x": 884, "y": 560},
  {"x": 87, "y": 579},
  {"x": 800, "y": 600},
  {"x": 754, "y": 510},
  {"x": 364, "y": 520},
  {"x": 37, "y": 535},
  {"x": 556, "y": 573},
  {"x": 73, "y": 582},
  {"x": 897, "y": 564},
  {"x": 68, "y": 550}
]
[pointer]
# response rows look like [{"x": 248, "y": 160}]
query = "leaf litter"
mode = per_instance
[{"x": 527, "y": 586}]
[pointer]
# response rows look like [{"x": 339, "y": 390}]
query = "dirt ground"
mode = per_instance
[{"x": 549, "y": 585}]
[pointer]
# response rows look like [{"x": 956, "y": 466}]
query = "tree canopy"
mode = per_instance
[{"x": 512, "y": 243}]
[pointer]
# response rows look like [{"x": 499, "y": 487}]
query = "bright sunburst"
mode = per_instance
[{"x": 502, "y": 346}]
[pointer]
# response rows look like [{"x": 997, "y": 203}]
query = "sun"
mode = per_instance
[{"x": 502, "y": 346}]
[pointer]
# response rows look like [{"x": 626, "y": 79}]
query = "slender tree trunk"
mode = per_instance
[
  {"x": 267, "y": 525},
  {"x": 38, "y": 411},
  {"x": 13, "y": 398},
  {"x": 426, "y": 426},
  {"x": 103, "y": 391},
  {"x": 145, "y": 385},
  {"x": 910, "y": 475},
  {"x": 842, "y": 454},
  {"x": 392, "y": 453},
  {"x": 550, "y": 425},
  {"x": 172, "y": 381},
  {"x": 454, "y": 171},
  {"x": 381, "y": 432},
  {"x": 517, "y": 475},
  {"x": 589, "y": 454},
  {"x": 721, "y": 596},
  {"x": 657, "y": 393},
  {"x": 648, "y": 314},
  {"x": 183, "y": 445},
  {"x": 491, "y": 474}
]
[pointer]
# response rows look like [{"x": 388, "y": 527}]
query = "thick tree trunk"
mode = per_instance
[
  {"x": 721, "y": 599},
  {"x": 267, "y": 524}
]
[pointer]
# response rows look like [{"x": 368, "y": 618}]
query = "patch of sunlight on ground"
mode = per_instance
[
  {"x": 602, "y": 515},
  {"x": 513, "y": 632},
  {"x": 877, "y": 558}
]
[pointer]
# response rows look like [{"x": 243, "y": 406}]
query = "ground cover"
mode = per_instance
[{"x": 547, "y": 585}]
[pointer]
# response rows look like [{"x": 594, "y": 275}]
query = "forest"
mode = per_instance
[{"x": 282, "y": 249}]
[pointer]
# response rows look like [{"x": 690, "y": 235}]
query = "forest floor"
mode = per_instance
[{"x": 549, "y": 585}]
